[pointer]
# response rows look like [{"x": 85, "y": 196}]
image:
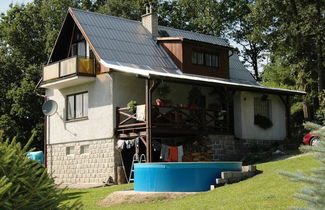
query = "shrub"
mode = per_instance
[{"x": 25, "y": 183}]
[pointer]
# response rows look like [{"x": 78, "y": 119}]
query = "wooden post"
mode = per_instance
[
  {"x": 286, "y": 102},
  {"x": 148, "y": 120},
  {"x": 287, "y": 106}
]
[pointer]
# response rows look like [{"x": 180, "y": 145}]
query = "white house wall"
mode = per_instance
[
  {"x": 99, "y": 124},
  {"x": 127, "y": 87},
  {"x": 244, "y": 118}
]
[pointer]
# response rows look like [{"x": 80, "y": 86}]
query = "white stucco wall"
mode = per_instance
[
  {"x": 244, "y": 118},
  {"x": 99, "y": 124},
  {"x": 127, "y": 87}
]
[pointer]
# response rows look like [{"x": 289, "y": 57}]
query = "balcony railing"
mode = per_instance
[
  {"x": 67, "y": 67},
  {"x": 176, "y": 117}
]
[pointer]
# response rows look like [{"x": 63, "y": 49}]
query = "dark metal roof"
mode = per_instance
[
  {"x": 126, "y": 43},
  {"x": 172, "y": 32},
  {"x": 123, "y": 41}
]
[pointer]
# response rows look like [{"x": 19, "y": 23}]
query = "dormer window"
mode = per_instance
[{"x": 205, "y": 59}]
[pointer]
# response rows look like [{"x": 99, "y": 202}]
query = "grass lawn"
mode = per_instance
[{"x": 268, "y": 190}]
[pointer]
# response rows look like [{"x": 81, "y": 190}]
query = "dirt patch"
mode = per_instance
[{"x": 131, "y": 197}]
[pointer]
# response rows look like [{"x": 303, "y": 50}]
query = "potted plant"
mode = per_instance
[
  {"x": 163, "y": 90},
  {"x": 262, "y": 121},
  {"x": 132, "y": 106}
]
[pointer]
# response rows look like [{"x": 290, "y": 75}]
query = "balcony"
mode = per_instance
[{"x": 68, "y": 72}]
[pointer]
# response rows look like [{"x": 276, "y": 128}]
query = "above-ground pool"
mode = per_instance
[{"x": 179, "y": 177}]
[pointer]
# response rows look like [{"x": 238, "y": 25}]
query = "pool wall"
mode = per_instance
[{"x": 179, "y": 177}]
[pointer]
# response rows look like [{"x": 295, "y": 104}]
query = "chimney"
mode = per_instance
[{"x": 150, "y": 20}]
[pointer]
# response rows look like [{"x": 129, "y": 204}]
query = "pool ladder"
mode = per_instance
[{"x": 136, "y": 159}]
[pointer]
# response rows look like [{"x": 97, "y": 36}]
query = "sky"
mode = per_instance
[{"x": 4, "y": 4}]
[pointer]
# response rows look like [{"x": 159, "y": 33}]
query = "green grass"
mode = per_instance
[{"x": 268, "y": 190}]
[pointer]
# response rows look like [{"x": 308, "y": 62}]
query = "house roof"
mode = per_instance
[{"x": 125, "y": 45}]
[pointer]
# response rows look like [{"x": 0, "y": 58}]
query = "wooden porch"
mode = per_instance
[{"x": 171, "y": 121}]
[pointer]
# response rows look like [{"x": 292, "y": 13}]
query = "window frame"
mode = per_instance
[
  {"x": 70, "y": 150},
  {"x": 258, "y": 101},
  {"x": 84, "y": 115},
  {"x": 82, "y": 149},
  {"x": 205, "y": 54}
]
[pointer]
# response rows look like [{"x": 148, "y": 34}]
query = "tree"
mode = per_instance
[
  {"x": 124, "y": 8},
  {"x": 25, "y": 183},
  {"x": 27, "y": 35},
  {"x": 293, "y": 31},
  {"x": 314, "y": 194},
  {"x": 240, "y": 30}
]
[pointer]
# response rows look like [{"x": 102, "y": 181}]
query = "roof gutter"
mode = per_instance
[{"x": 149, "y": 73}]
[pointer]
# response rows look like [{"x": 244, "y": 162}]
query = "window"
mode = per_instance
[
  {"x": 206, "y": 59},
  {"x": 197, "y": 58},
  {"x": 262, "y": 107},
  {"x": 77, "y": 106},
  {"x": 84, "y": 149},
  {"x": 69, "y": 150}
]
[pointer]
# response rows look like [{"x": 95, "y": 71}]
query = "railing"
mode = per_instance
[
  {"x": 177, "y": 117},
  {"x": 126, "y": 119},
  {"x": 193, "y": 118},
  {"x": 69, "y": 66}
]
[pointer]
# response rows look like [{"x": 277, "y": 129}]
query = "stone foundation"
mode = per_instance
[
  {"x": 94, "y": 166},
  {"x": 226, "y": 147}
]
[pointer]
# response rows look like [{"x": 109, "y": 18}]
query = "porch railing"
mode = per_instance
[
  {"x": 70, "y": 66},
  {"x": 177, "y": 117}
]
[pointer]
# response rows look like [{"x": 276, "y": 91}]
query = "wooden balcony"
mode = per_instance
[
  {"x": 174, "y": 121},
  {"x": 68, "y": 72}
]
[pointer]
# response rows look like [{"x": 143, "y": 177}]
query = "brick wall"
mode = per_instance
[{"x": 92, "y": 167}]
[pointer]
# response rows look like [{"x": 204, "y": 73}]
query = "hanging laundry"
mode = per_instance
[
  {"x": 136, "y": 141},
  {"x": 180, "y": 153},
  {"x": 164, "y": 152},
  {"x": 120, "y": 144},
  {"x": 173, "y": 154},
  {"x": 129, "y": 143},
  {"x": 156, "y": 145},
  {"x": 141, "y": 113}
]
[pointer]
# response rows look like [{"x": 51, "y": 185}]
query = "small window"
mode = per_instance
[
  {"x": 84, "y": 149},
  {"x": 262, "y": 107},
  {"x": 214, "y": 61},
  {"x": 77, "y": 106},
  {"x": 206, "y": 59},
  {"x": 69, "y": 150},
  {"x": 197, "y": 57}
]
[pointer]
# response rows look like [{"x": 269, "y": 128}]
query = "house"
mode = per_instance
[{"x": 190, "y": 89}]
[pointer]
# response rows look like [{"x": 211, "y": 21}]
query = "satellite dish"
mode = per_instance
[{"x": 49, "y": 107}]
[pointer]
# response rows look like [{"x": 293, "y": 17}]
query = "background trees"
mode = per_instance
[{"x": 293, "y": 31}]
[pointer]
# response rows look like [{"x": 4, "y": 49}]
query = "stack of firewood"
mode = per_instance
[{"x": 197, "y": 152}]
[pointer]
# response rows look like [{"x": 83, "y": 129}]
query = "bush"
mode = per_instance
[{"x": 25, "y": 183}]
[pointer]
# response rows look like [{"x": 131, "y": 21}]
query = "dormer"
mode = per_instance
[
  {"x": 195, "y": 57},
  {"x": 72, "y": 61}
]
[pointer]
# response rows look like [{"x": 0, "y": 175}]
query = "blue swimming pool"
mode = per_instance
[{"x": 179, "y": 177}]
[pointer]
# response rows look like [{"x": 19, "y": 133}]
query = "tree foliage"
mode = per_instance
[
  {"x": 27, "y": 35},
  {"x": 25, "y": 183},
  {"x": 293, "y": 31},
  {"x": 313, "y": 195}
]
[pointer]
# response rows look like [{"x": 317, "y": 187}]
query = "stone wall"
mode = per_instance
[
  {"x": 94, "y": 166},
  {"x": 227, "y": 147}
]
